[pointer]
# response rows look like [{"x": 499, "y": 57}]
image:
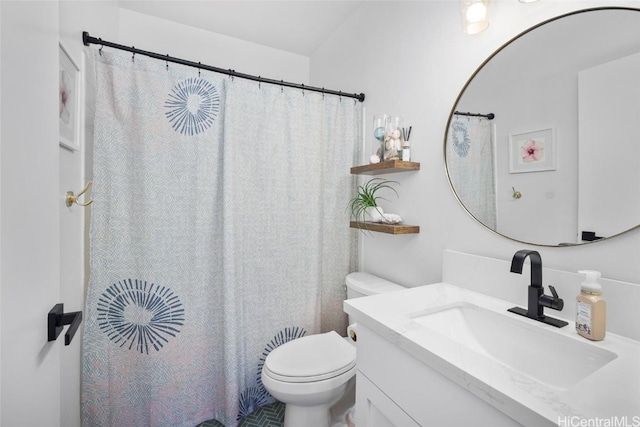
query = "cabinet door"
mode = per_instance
[
  {"x": 375, "y": 409},
  {"x": 426, "y": 397}
]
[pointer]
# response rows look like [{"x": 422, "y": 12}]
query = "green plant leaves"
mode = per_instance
[{"x": 367, "y": 196}]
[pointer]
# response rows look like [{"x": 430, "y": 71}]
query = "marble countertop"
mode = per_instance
[{"x": 609, "y": 394}]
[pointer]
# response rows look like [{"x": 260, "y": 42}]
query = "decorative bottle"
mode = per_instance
[
  {"x": 591, "y": 308},
  {"x": 406, "y": 151}
]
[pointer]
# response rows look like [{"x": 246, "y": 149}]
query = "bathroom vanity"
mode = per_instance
[
  {"x": 444, "y": 355},
  {"x": 396, "y": 389}
]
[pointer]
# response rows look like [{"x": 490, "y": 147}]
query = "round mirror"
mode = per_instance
[{"x": 543, "y": 142}]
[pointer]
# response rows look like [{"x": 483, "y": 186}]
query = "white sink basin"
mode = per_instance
[{"x": 543, "y": 355}]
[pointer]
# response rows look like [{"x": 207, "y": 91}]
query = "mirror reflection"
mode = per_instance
[{"x": 543, "y": 143}]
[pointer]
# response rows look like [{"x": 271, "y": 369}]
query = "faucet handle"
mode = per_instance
[{"x": 553, "y": 302}]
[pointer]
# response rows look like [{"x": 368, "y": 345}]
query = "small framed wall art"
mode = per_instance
[
  {"x": 69, "y": 99},
  {"x": 532, "y": 151}
]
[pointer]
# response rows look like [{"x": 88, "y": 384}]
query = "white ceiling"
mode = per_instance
[{"x": 295, "y": 26}]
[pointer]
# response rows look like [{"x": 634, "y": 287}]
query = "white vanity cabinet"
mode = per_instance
[
  {"x": 393, "y": 388},
  {"x": 440, "y": 355},
  {"x": 376, "y": 409}
]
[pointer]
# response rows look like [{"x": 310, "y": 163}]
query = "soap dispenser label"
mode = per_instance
[{"x": 583, "y": 317}]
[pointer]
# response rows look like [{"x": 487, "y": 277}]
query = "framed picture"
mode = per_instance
[
  {"x": 532, "y": 151},
  {"x": 69, "y": 100}
]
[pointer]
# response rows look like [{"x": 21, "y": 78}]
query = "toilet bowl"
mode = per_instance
[{"x": 310, "y": 374}]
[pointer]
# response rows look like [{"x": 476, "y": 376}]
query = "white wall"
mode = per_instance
[
  {"x": 412, "y": 59},
  {"x": 96, "y": 17},
  {"x": 0, "y": 223},
  {"x": 100, "y": 19},
  {"x": 197, "y": 45}
]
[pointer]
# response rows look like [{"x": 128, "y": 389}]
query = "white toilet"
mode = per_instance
[{"x": 312, "y": 373}]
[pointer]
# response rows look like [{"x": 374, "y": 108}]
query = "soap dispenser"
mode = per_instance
[{"x": 591, "y": 308}]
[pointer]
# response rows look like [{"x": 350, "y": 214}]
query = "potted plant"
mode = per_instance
[{"x": 364, "y": 206}]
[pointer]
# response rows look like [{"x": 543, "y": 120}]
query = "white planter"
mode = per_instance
[{"x": 373, "y": 214}]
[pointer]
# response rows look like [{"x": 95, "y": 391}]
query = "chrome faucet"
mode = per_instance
[{"x": 537, "y": 299}]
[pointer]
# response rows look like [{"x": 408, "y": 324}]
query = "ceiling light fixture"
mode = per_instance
[{"x": 475, "y": 15}]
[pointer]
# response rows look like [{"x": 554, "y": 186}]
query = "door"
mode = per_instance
[
  {"x": 609, "y": 109},
  {"x": 71, "y": 279},
  {"x": 30, "y": 376}
]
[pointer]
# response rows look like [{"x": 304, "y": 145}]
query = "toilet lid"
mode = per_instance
[{"x": 311, "y": 358}]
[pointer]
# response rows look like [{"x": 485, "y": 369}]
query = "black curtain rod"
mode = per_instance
[
  {"x": 489, "y": 116},
  {"x": 87, "y": 40}
]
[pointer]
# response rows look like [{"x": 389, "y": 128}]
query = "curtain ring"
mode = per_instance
[
  {"x": 302, "y": 89},
  {"x": 323, "y": 94},
  {"x": 166, "y": 62},
  {"x": 101, "y": 47},
  {"x": 281, "y": 86},
  {"x": 199, "y": 64},
  {"x": 259, "y": 82},
  {"x": 133, "y": 55}
]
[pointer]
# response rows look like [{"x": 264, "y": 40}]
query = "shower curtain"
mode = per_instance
[
  {"x": 471, "y": 166},
  {"x": 219, "y": 232}
]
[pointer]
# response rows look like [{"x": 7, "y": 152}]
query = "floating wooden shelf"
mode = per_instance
[
  {"x": 389, "y": 166},
  {"x": 386, "y": 228}
]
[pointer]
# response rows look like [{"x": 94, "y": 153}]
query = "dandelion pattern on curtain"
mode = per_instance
[
  {"x": 132, "y": 312},
  {"x": 217, "y": 234},
  {"x": 192, "y": 106},
  {"x": 254, "y": 397},
  {"x": 460, "y": 138},
  {"x": 470, "y": 163}
]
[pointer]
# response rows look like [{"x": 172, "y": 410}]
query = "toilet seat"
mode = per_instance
[{"x": 310, "y": 359}]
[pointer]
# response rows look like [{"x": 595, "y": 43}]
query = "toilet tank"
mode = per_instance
[{"x": 365, "y": 284}]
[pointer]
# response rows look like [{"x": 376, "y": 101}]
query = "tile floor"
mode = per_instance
[{"x": 266, "y": 416}]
